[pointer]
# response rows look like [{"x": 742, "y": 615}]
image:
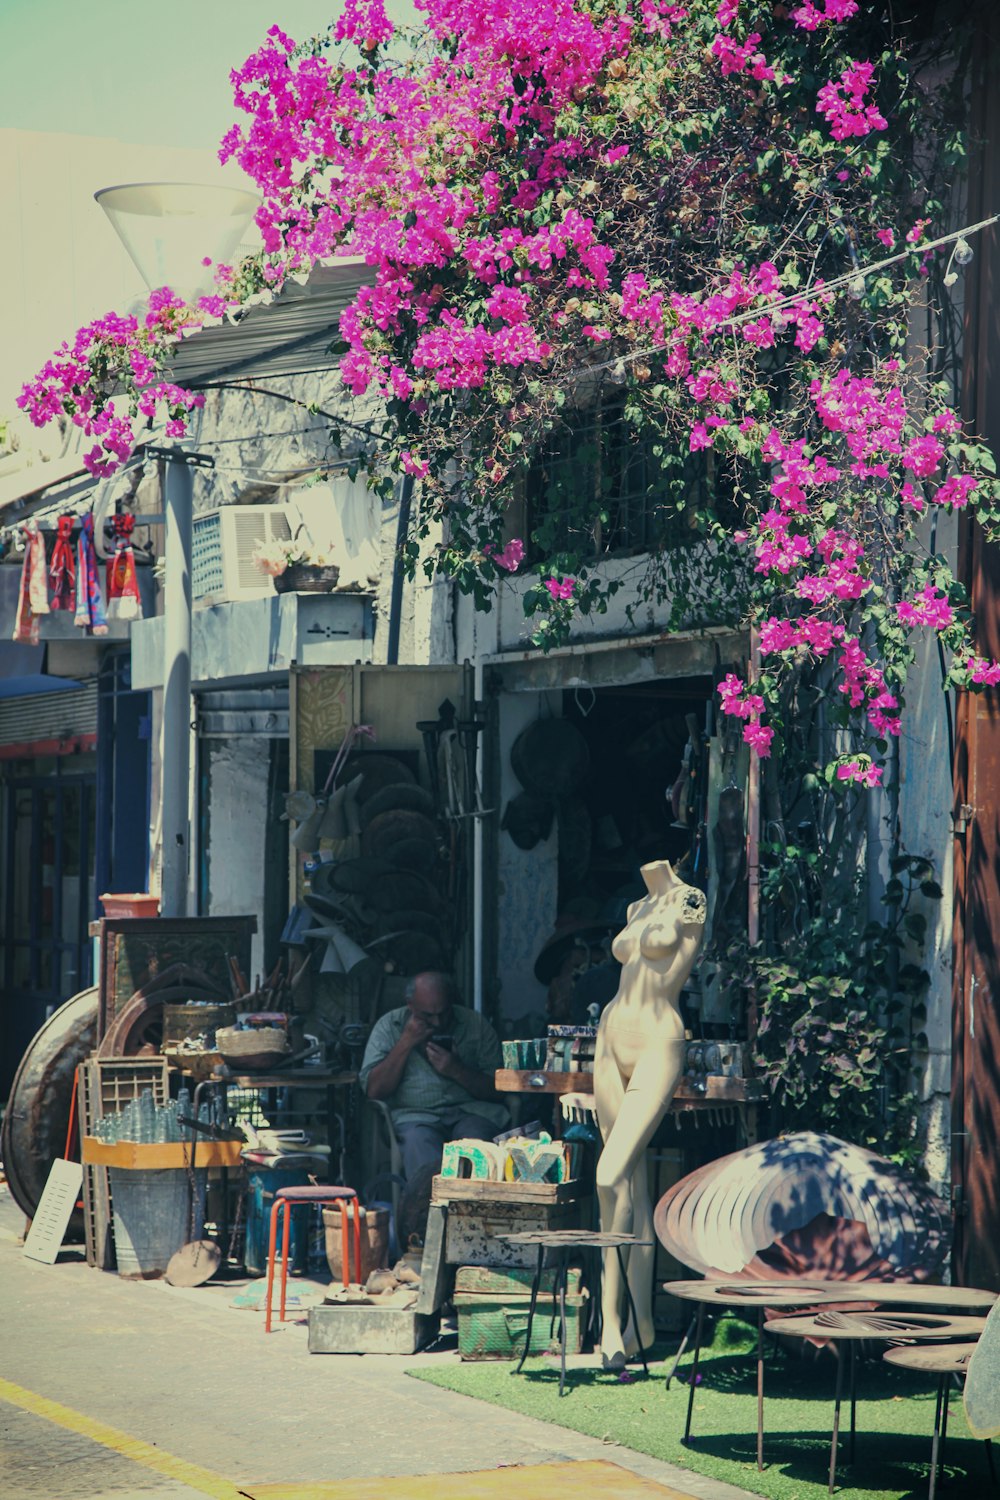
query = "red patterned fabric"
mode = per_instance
[
  {"x": 123, "y": 584},
  {"x": 62, "y": 568}
]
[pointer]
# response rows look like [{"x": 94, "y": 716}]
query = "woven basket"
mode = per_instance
[
  {"x": 307, "y": 578},
  {"x": 261, "y": 1047}
]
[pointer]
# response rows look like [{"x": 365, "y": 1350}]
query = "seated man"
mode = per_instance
[{"x": 432, "y": 1062}]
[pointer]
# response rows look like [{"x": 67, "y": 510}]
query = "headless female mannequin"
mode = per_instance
[{"x": 638, "y": 1064}]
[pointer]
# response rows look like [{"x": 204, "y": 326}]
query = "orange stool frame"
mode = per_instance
[{"x": 285, "y": 1200}]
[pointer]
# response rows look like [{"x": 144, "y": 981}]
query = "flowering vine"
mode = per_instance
[{"x": 655, "y": 211}]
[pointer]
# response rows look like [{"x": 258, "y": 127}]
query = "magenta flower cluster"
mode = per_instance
[{"x": 470, "y": 181}]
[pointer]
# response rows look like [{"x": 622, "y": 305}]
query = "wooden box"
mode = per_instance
[
  {"x": 492, "y": 1306},
  {"x": 161, "y": 1155}
]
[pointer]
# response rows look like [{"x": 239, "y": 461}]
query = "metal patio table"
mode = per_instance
[
  {"x": 857, "y": 1327},
  {"x": 564, "y": 1242},
  {"x": 944, "y": 1361}
]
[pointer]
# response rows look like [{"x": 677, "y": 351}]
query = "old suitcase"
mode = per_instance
[{"x": 492, "y": 1306}]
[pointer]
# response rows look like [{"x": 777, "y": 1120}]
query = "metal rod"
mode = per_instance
[
  {"x": 536, "y": 1283},
  {"x": 939, "y": 1402},
  {"x": 853, "y": 1397},
  {"x": 684, "y": 1343},
  {"x": 760, "y": 1388},
  {"x": 693, "y": 1372},
  {"x": 175, "y": 758},
  {"x": 398, "y": 570},
  {"x": 561, "y": 1273},
  {"x": 836, "y": 1418}
]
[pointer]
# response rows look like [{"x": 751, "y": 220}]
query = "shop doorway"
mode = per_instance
[{"x": 48, "y": 899}]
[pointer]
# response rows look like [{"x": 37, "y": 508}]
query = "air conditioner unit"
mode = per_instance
[{"x": 222, "y": 548}]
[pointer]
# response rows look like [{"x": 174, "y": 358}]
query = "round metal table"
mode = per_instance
[
  {"x": 944, "y": 1361},
  {"x": 856, "y": 1327},
  {"x": 564, "y": 1241},
  {"x": 736, "y": 1293}
]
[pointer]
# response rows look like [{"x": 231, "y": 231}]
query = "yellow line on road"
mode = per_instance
[
  {"x": 597, "y": 1478},
  {"x": 193, "y": 1475}
]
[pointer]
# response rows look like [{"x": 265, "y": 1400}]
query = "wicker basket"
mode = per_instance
[
  {"x": 307, "y": 578},
  {"x": 254, "y": 1050}
]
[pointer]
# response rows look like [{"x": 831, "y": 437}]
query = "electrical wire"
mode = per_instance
[{"x": 796, "y": 299}]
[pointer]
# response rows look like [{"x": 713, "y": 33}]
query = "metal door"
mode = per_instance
[{"x": 48, "y": 900}]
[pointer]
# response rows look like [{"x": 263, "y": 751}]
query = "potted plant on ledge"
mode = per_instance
[{"x": 297, "y": 565}]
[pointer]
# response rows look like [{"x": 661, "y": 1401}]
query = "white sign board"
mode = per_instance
[{"x": 53, "y": 1213}]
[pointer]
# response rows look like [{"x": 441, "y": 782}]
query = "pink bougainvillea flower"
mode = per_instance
[
  {"x": 863, "y": 771},
  {"x": 511, "y": 557},
  {"x": 561, "y": 588}
]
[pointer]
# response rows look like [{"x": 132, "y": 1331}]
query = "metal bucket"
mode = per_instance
[{"x": 152, "y": 1217}]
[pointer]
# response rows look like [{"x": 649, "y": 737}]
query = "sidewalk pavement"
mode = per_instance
[{"x": 120, "y": 1390}]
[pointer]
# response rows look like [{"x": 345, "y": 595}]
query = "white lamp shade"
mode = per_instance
[{"x": 169, "y": 228}]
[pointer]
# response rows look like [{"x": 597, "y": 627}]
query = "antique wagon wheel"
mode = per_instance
[{"x": 35, "y": 1122}]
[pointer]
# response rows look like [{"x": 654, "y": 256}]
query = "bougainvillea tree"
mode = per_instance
[{"x": 714, "y": 221}]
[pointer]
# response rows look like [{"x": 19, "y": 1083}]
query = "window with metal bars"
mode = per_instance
[{"x": 598, "y": 485}]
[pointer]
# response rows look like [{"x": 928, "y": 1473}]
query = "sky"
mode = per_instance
[
  {"x": 140, "y": 71},
  {"x": 100, "y": 92}
]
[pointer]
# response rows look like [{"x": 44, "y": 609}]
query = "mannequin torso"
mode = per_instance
[{"x": 639, "y": 1062}]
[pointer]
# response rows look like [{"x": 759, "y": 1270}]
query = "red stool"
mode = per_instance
[{"x": 285, "y": 1200}]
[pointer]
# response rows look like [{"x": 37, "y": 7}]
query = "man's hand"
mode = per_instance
[
  {"x": 444, "y": 1062},
  {"x": 416, "y": 1031}
]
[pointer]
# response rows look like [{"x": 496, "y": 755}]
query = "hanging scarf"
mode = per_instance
[
  {"x": 62, "y": 569},
  {"x": 33, "y": 598},
  {"x": 89, "y": 603},
  {"x": 123, "y": 584}
]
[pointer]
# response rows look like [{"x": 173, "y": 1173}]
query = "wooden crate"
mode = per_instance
[
  {"x": 492, "y": 1306},
  {"x": 160, "y": 1155},
  {"x": 473, "y": 1231},
  {"x": 482, "y": 1190},
  {"x": 105, "y": 1086}
]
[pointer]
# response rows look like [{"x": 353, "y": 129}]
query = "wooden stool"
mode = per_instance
[{"x": 285, "y": 1200}]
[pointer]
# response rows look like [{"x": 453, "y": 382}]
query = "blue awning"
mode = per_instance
[{"x": 29, "y": 687}]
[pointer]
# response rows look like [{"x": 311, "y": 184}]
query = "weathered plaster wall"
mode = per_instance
[
  {"x": 925, "y": 804},
  {"x": 234, "y": 853}
]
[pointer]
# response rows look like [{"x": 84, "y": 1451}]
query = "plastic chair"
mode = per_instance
[{"x": 285, "y": 1200}]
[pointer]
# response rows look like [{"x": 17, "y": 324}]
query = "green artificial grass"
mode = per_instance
[{"x": 895, "y": 1418}]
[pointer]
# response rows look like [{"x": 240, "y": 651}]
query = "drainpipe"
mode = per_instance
[
  {"x": 175, "y": 753},
  {"x": 477, "y": 850},
  {"x": 396, "y": 597}
]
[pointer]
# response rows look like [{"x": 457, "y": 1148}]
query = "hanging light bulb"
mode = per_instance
[
  {"x": 856, "y": 288},
  {"x": 963, "y": 252},
  {"x": 618, "y": 372}
]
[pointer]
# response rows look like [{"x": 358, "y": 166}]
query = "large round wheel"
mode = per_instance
[{"x": 34, "y": 1127}]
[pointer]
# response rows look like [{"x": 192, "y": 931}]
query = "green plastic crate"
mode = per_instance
[{"x": 492, "y": 1305}]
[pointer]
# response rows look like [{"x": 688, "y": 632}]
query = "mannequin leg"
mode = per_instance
[
  {"x": 622, "y": 1186},
  {"x": 609, "y": 1091},
  {"x": 640, "y": 1263}
]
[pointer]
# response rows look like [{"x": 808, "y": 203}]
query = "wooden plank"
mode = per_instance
[
  {"x": 433, "y": 1267},
  {"x": 537, "y": 1081},
  {"x": 158, "y": 1155},
  {"x": 479, "y": 1190},
  {"x": 717, "y": 1088},
  {"x": 52, "y": 1215}
]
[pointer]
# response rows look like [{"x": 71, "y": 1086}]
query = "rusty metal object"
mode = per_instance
[
  {"x": 804, "y": 1205},
  {"x": 139, "y": 1023},
  {"x": 34, "y": 1127}
]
